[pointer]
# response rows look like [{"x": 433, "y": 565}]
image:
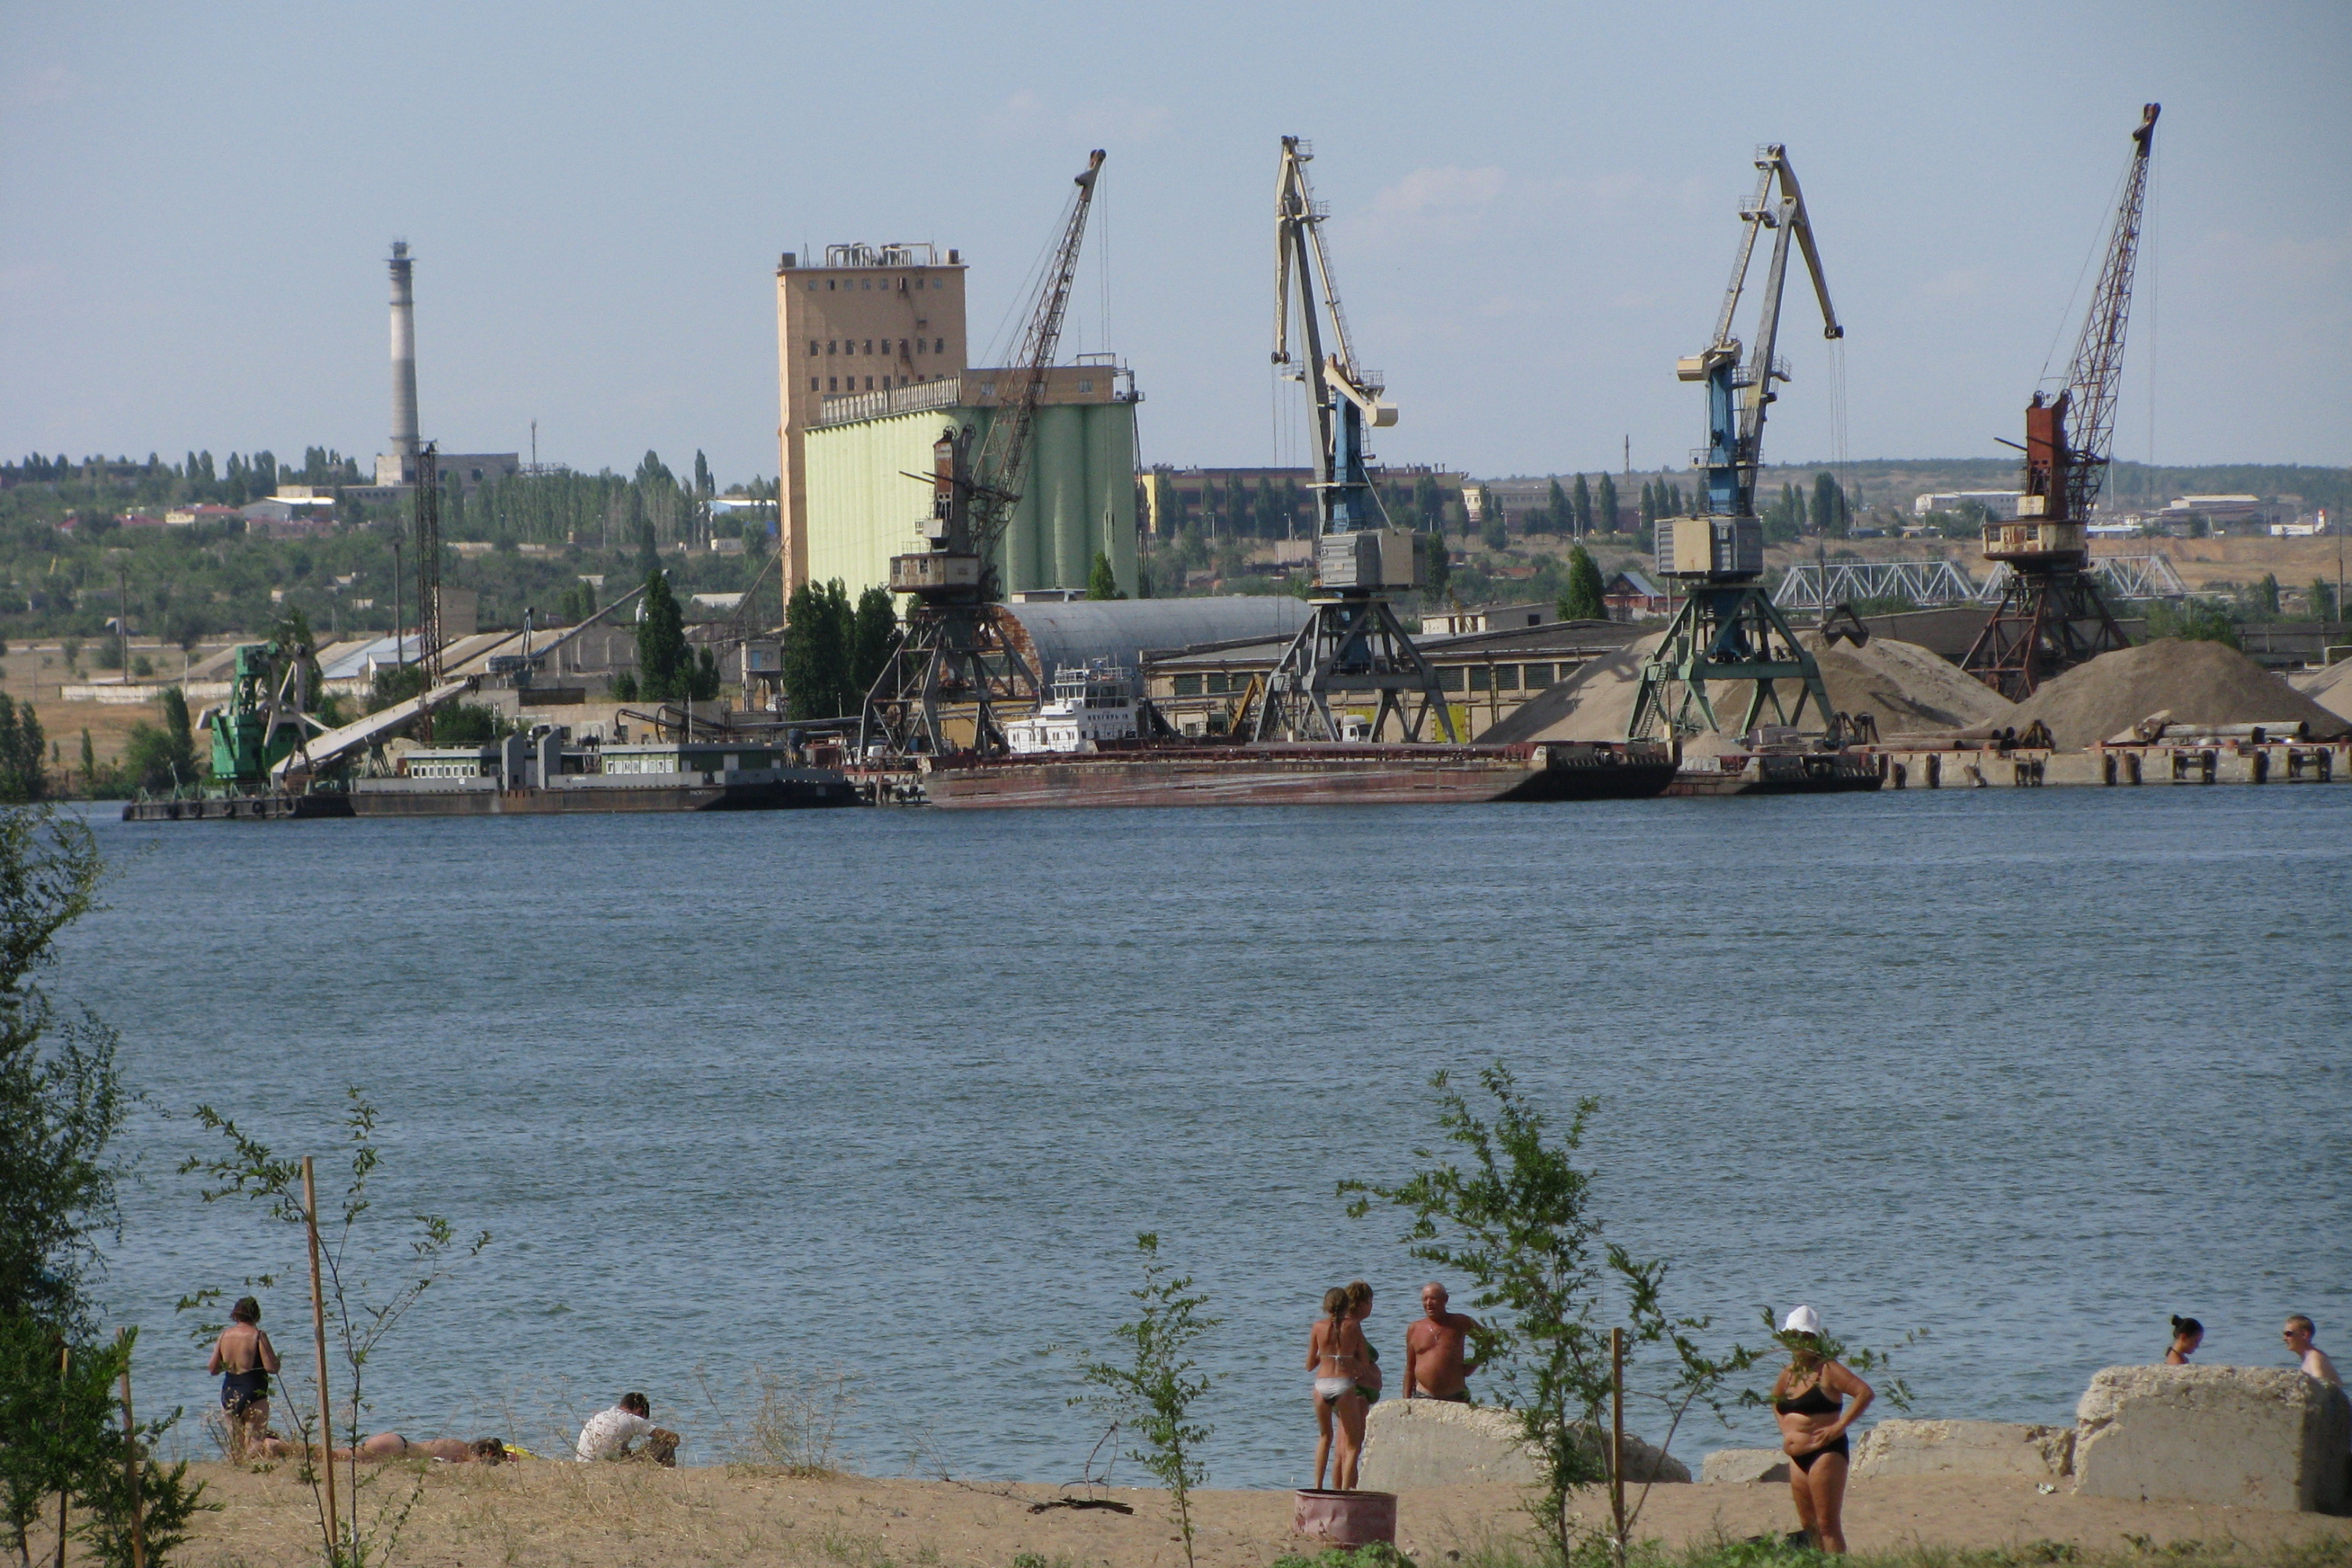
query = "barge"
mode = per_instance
[{"x": 1186, "y": 773}]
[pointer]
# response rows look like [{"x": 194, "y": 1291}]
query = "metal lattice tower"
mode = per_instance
[
  {"x": 1727, "y": 627},
  {"x": 2051, "y": 615}
]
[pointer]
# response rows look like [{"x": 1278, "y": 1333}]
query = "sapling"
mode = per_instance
[{"x": 1152, "y": 1393}]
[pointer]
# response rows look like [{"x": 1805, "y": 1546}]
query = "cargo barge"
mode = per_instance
[
  {"x": 1179, "y": 774},
  {"x": 529, "y": 775}
]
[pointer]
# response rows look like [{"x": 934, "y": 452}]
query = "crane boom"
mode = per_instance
[
  {"x": 1004, "y": 458},
  {"x": 2097, "y": 374}
]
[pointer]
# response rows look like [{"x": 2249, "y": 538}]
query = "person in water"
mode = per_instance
[
  {"x": 1360, "y": 1307},
  {"x": 245, "y": 1359},
  {"x": 2188, "y": 1333},
  {"x": 1336, "y": 1354},
  {"x": 1436, "y": 1366},
  {"x": 1815, "y": 1399}
]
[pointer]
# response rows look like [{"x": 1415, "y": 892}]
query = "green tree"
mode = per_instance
[
  {"x": 1152, "y": 1390},
  {"x": 1516, "y": 1219},
  {"x": 1102, "y": 583},
  {"x": 1829, "y": 516},
  {"x": 2322, "y": 595},
  {"x": 88, "y": 765},
  {"x": 23, "y": 776},
  {"x": 1437, "y": 565},
  {"x": 664, "y": 664},
  {"x": 1604, "y": 505},
  {"x": 2192, "y": 620},
  {"x": 1560, "y": 513},
  {"x": 815, "y": 655},
  {"x": 1582, "y": 601},
  {"x": 61, "y": 1101},
  {"x": 874, "y": 633},
  {"x": 1582, "y": 504},
  {"x": 1494, "y": 533}
]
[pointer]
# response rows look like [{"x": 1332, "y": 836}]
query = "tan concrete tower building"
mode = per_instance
[{"x": 870, "y": 319}]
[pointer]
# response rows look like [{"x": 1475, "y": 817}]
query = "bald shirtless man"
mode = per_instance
[{"x": 1435, "y": 1366}]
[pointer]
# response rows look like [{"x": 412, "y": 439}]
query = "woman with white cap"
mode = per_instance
[{"x": 1816, "y": 1399}]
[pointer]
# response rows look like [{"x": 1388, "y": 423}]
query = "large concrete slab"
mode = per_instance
[
  {"x": 1734, "y": 1465},
  {"x": 1963, "y": 1448},
  {"x": 1436, "y": 1443},
  {"x": 2246, "y": 1436}
]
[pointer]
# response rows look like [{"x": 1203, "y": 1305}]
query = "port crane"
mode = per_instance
[
  {"x": 2052, "y": 617},
  {"x": 954, "y": 642},
  {"x": 1727, "y": 628},
  {"x": 1352, "y": 643}
]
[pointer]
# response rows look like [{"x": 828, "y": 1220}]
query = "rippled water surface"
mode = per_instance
[{"x": 893, "y": 1092}]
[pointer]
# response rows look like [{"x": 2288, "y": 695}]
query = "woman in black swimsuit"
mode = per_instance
[
  {"x": 244, "y": 1358},
  {"x": 1816, "y": 1399}
]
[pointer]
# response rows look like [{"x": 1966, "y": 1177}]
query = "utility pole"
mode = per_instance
[
  {"x": 399, "y": 648},
  {"x": 122, "y": 616}
]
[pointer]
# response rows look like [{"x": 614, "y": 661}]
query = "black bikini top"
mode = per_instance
[{"x": 1812, "y": 1401}]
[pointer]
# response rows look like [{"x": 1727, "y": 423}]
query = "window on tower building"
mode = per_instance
[
  {"x": 833, "y": 384},
  {"x": 812, "y": 348},
  {"x": 813, "y": 386},
  {"x": 938, "y": 345},
  {"x": 869, "y": 346},
  {"x": 830, "y": 347},
  {"x": 870, "y": 383}
]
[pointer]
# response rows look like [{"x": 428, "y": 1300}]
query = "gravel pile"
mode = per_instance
[
  {"x": 1908, "y": 689},
  {"x": 2330, "y": 688},
  {"x": 2198, "y": 682}
]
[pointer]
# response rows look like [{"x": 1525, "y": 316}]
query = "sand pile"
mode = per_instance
[
  {"x": 2199, "y": 682},
  {"x": 1595, "y": 704},
  {"x": 2330, "y": 688},
  {"x": 1907, "y": 689}
]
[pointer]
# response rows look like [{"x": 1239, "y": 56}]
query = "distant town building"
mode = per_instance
[
  {"x": 1631, "y": 596},
  {"x": 2000, "y": 505}
]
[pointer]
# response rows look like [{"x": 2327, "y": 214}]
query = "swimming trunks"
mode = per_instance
[
  {"x": 1461, "y": 1398},
  {"x": 1805, "y": 1461}
]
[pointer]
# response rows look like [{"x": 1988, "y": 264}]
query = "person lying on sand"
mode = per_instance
[
  {"x": 608, "y": 1434},
  {"x": 388, "y": 1445}
]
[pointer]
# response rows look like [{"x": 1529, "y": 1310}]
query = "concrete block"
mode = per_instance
[
  {"x": 1745, "y": 1464},
  {"x": 1963, "y": 1448},
  {"x": 1436, "y": 1443},
  {"x": 2246, "y": 1437}
]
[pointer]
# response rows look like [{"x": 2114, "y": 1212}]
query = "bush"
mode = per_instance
[{"x": 2192, "y": 620}]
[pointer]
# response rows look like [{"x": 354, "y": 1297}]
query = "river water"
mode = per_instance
[{"x": 891, "y": 1093}]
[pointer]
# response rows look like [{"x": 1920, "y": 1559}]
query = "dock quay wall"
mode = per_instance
[{"x": 2118, "y": 767}]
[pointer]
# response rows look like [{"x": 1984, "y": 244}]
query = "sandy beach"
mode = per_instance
[{"x": 554, "y": 1512}]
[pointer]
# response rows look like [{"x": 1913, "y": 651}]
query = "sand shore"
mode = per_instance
[{"x": 551, "y": 1512}]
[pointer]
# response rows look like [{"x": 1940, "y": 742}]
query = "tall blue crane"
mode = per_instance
[
  {"x": 1727, "y": 628},
  {"x": 1352, "y": 644}
]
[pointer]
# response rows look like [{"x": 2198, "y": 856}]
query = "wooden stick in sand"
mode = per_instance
[
  {"x": 130, "y": 1461},
  {"x": 65, "y": 1372},
  {"x": 1617, "y": 1436},
  {"x": 319, "y": 1335}
]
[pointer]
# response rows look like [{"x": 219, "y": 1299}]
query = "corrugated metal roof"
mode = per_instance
[{"x": 1120, "y": 630}]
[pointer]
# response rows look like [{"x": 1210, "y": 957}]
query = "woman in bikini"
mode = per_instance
[
  {"x": 1360, "y": 1307},
  {"x": 1337, "y": 1355},
  {"x": 1816, "y": 1399},
  {"x": 245, "y": 1359},
  {"x": 2188, "y": 1333}
]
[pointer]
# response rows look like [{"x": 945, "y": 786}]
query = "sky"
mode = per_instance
[{"x": 1533, "y": 213}]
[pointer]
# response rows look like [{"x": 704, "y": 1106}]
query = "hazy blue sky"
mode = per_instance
[{"x": 1533, "y": 213}]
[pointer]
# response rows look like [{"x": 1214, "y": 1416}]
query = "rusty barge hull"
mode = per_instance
[{"x": 1303, "y": 775}]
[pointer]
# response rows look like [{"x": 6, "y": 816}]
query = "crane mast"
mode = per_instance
[
  {"x": 1353, "y": 645},
  {"x": 2051, "y": 615},
  {"x": 1727, "y": 628},
  {"x": 954, "y": 645}
]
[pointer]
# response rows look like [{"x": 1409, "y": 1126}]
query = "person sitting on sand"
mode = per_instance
[
  {"x": 2188, "y": 1333},
  {"x": 245, "y": 1359},
  {"x": 1435, "y": 1362},
  {"x": 1815, "y": 1399},
  {"x": 608, "y": 1434},
  {"x": 1335, "y": 1354},
  {"x": 2298, "y": 1332}
]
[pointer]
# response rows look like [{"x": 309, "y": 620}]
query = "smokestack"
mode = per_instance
[{"x": 404, "y": 443}]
